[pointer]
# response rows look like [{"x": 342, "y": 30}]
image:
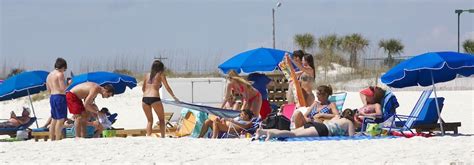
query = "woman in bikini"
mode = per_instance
[
  {"x": 306, "y": 76},
  {"x": 337, "y": 126},
  {"x": 232, "y": 97},
  {"x": 320, "y": 110},
  {"x": 251, "y": 98},
  {"x": 151, "y": 96}
]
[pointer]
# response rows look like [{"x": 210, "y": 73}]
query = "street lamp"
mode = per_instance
[
  {"x": 459, "y": 11},
  {"x": 273, "y": 15}
]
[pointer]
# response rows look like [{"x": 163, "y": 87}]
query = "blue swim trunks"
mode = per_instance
[{"x": 58, "y": 106}]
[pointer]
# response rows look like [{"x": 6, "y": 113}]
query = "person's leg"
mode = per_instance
[
  {"x": 98, "y": 130},
  {"x": 217, "y": 128},
  {"x": 160, "y": 112},
  {"x": 52, "y": 130},
  {"x": 299, "y": 119},
  {"x": 205, "y": 127},
  {"x": 48, "y": 123},
  {"x": 289, "y": 94},
  {"x": 77, "y": 125},
  {"x": 85, "y": 119},
  {"x": 256, "y": 106},
  {"x": 58, "y": 129},
  {"x": 300, "y": 132},
  {"x": 149, "y": 118}
]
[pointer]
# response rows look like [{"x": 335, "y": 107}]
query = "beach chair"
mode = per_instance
[
  {"x": 389, "y": 106},
  {"x": 427, "y": 121},
  {"x": 232, "y": 131},
  {"x": 169, "y": 128},
  {"x": 339, "y": 99},
  {"x": 410, "y": 120},
  {"x": 12, "y": 131}
]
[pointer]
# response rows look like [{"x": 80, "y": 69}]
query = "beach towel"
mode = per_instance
[
  {"x": 222, "y": 113},
  {"x": 326, "y": 138}
]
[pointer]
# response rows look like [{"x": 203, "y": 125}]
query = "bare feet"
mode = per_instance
[
  {"x": 269, "y": 136},
  {"x": 259, "y": 133}
]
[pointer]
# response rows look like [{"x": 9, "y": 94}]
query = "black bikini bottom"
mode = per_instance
[{"x": 150, "y": 100}]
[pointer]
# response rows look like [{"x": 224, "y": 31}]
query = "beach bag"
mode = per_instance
[
  {"x": 373, "y": 129},
  {"x": 275, "y": 121},
  {"x": 21, "y": 135}
]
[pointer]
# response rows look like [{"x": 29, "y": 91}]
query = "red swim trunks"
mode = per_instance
[{"x": 74, "y": 104}]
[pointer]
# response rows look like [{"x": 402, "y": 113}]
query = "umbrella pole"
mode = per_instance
[
  {"x": 437, "y": 105},
  {"x": 32, "y": 108}
]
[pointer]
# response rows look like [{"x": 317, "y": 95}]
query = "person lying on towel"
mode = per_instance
[
  {"x": 15, "y": 121},
  {"x": 222, "y": 125},
  {"x": 337, "y": 126}
]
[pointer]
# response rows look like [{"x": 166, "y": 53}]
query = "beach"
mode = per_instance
[
  {"x": 143, "y": 150},
  {"x": 149, "y": 150}
]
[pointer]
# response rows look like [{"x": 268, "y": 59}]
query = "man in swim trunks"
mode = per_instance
[
  {"x": 55, "y": 83},
  {"x": 86, "y": 91}
]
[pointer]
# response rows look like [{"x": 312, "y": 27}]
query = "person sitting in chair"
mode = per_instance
[
  {"x": 15, "y": 121},
  {"x": 223, "y": 125}
]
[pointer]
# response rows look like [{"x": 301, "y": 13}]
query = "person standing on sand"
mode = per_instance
[
  {"x": 86, "y": 91},
  {"x": 55, "y": 83},
  {"x": 151, "y": 96}
]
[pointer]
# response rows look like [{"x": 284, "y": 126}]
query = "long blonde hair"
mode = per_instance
[{"x": 232, "y": 75}]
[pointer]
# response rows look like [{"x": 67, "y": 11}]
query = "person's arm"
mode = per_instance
[
  {"x": 145, "y": 79},
  {"x": 244, "y": 104},
  {"x": 378, "y": 111},
  {"x": 23, "y": 120},
  {"x": 167, "y": 86},
  {"x": 323, "y": 116},
  {"x": 334, "y": 109},
  {"x": 310, "y": 108},
  {"x": 89, "y": 101},
  {"x": 351, "y": 129},
  {"x": 307, "y": 70},
  {"x": 62, "y": 82},
  {"x": 227, "y": 95},
  {"x": 363, "y": 98}
]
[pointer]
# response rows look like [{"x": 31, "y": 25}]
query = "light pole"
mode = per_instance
[
  {"x": 459, "y": 11},
  {"x": 273, "y": 16}
]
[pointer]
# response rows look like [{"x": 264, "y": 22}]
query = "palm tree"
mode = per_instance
[
  {"x": 353, "y": 44},
  {"x": 304, "y": 41},
  {"x": 391, "y": 47},
  {"x": 327, "y": 45},
  {"x": 468, "y": 46}
]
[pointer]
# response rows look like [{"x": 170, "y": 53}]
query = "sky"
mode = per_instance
[{"x": 204, "y": 33}]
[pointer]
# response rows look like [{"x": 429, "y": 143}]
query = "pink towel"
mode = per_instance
[{"x": 288, "y": 110}]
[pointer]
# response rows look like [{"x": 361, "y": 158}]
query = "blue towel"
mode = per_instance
[{"x": 325, "y": 138}]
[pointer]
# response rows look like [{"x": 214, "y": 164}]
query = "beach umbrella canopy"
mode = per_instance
[
  {"x": 260, "y": 59},
  {"x": 119, "y": 81},
  {"x": 428, "y": 69},
  {"x": 24, "y": 84}
]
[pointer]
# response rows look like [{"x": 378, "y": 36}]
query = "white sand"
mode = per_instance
[{"x": 458, "y": 106}]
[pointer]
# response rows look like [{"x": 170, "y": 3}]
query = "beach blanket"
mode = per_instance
[
  {"x": 326, "y": 138},
  {"x": 222, "y": 113}
]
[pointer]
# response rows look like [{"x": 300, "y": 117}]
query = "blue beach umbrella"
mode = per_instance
[
  {"x": 260, "y": 59},
  {"x": 24, "y": 84},
  {"x": 119, "y": 81},
  {"x": 428, "y": 69}
]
